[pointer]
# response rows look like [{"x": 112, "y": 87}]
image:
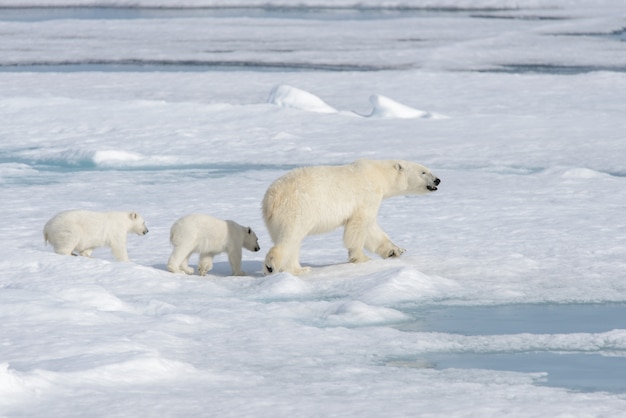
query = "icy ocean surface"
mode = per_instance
[{"x": 510, "y": 299}]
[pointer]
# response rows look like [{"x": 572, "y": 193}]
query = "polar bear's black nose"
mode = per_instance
[
  {"x": 269, "y": 269},
  {"x": 437, "y": 181}
]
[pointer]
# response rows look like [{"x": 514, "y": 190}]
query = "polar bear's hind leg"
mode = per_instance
[
  {"x": 283, "y": 257},
  {"x": 205, "y": 263},
  {"x": 179, "y": 259},
  {"x": 86, "y": 253}
]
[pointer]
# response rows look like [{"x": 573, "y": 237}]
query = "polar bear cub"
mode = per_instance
[
  {"x": 81, "y": 231},
  {"x": 317, "y": 199},
  {"x": 209, "y": 236}
]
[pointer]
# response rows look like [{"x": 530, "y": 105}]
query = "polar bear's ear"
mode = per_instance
[
  {"x": 133, "y": 215},
  {"x": 399, "y": 167}
]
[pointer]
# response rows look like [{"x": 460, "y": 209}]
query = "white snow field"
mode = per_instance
[{"x": 510, "y": 299}]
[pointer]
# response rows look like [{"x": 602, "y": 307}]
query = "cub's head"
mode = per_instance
[
  {"x": 414, "y": 178},
  {"x": 250, "y": 240},
  {"x": 138, "y": 225}
]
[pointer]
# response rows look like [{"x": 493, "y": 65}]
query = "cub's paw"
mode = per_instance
[{"x": 302, "y": 270}]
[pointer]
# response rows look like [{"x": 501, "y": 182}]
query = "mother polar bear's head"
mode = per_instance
[{"x": 414, "y": 178}]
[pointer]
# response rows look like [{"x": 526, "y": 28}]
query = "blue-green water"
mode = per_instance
[{"x": 580, "y": 371}]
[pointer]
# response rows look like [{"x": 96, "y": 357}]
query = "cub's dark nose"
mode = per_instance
[
  {"x": 257, "y": 248},
  {"x": 269, "y": 269},
  {"x": 437, "y": 181}
]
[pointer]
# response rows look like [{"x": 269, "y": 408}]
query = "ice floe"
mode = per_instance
[
  {"x": 383, "y": 107},
  {"x": 292, "y": 97}
]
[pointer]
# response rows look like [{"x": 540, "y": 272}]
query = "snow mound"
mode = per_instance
[
  {"x": 386, "y": 108},
  {"x": 287, "y": 96},
  {"x": 280, "y": 286},
  {"x": 405, "y": 285},
  {"x": 115, "y": 157},
  {"x": 120, "y": 158},
  {"x": 104, "y": 159},
  {"x": 16, "y": 386},
  {"x": 356, "y": 313},
  {"x": 383, "y": 107},
  {"x": 92, "y": 297},
  {"x": 144, "y": 368},
  {"x": 582, "y": 173}
]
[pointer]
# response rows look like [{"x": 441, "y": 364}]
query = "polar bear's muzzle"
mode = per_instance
[{"x": 433, "y": 188}]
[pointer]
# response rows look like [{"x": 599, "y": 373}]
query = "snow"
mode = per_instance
[
  {"x": 508, "y": 301},
  {"x": 384, "y": 107},
  {"x": 287, "y": 96}
]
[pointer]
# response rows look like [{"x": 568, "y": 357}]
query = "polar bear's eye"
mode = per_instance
[
  {"x": 423, "y": 173},
  {"x": 249, "y": 230}
]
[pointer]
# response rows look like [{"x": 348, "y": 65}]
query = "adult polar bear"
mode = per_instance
[{"x": 317, "y": 199}]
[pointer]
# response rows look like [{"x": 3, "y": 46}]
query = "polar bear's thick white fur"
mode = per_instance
[
  {"x": 317, "y": 199},
  {"x": 209, "y": 236},
  {"x": 81, "y": 231}
]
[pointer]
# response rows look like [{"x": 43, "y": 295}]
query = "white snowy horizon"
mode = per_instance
[
  {"x": 573, "y": 5},
  {"x": 508, "y": 302}
]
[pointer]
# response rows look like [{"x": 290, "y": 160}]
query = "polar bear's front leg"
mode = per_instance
[
  {"x": 377, "y": 241},
  {"x": 234, "y": 258},
  {"x": 119, "y": 251},
  {"x": 354, "y": 237},
  {"x": 389, "y": 250},
  {"x": 205, "y": 263}
]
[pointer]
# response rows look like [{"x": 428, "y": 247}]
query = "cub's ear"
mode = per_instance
[
  {"x": 399, "y": 167},
  {"x": 133, "y": 215}
]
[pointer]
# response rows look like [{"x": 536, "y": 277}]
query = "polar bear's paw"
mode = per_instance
[
  {"x": 180, "y": 269},
  {"x": 296, "y": 271},
  {"x": 395, "y": 252},
  {"x": 276, "y": 262},
  {"x": 390, "y": 250},
  {"x": 301, "y": 270},
  {"x": 359, "y": 258}
]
